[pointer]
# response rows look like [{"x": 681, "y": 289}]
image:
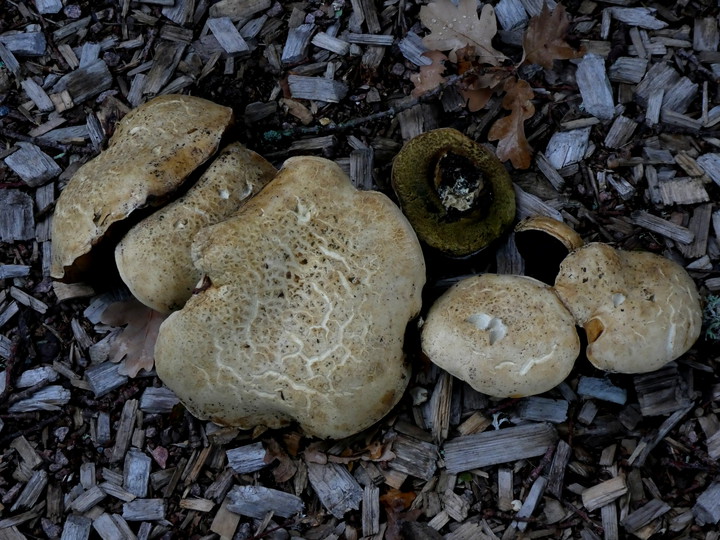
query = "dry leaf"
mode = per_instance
[
  {"x": 136, "y": 343},
  {"x": 544, "y": 39},
  {"x": 477, "y": 89},
  {"x": 510, "y": 130},
  {"x": 286, "y": 467},
  {"x": 429, "y": 77},
  {"x": 454, "y": 27}
]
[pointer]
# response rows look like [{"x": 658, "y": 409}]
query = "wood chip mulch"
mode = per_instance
[{"x": 86, "y": 452}]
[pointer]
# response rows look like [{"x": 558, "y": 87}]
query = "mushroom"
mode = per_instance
[
  {"x": 543, "y": 243},
  {"x": 153, "y": 151},
  {"x": 639, "y": 310},
  {"x": 506, "y": 336},
  {"x": 154, "y": 256},
  {"x": 309, "y": 290},
  {"x": 455, "y": 192}
]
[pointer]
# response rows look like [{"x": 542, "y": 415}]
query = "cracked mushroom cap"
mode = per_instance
[
  {"x": 154, "y": 256},
  {"x": 506, "y": 336},
  {"x": 312, "y": 284},
  {"x": 152, "y": 152},
  {"x": 639, "y": 310}
]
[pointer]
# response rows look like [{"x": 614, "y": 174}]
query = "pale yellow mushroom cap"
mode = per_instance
[
  {"x": 154, "y": 256},
  {"x": 506, "y": 336},
  {"x": 153, "y": 150},
  {"x": 312, "y": 286},
  {"x": 639, "y": 310}
]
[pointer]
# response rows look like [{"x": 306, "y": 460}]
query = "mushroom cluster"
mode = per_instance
[
  {"x": 307, "y": 284},
  {"x": 511, "y": 336}
]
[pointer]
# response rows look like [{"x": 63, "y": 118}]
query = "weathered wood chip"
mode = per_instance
[
  {"x": 144, "y": 510},
  {"x": 136, "y": 472},
  {"x": 88, "y": 499},
  {"x": 227, "y": 35},
  {"x": 239, "y": 9},
  {"x": 567, "y": 147},
  {"x": 317, "y": 88},
  {"x": 640, "y": 16},
  {"x": 601, "y": 389},
  {"x": 104, "y": 378},
  {"x": 16, "y": 216},
  {"x": 337, "y": 490},
  {"x": 25, "y": 43},
  {"x": 661, "y": 226},
  {"x": 500, "y": 446},
  {"x": 561, "y": 458},
  {"x": 76, "y": 527},
  {"x": 604, "y": 493},
  {"x": 541, "y": 409},
  {"x": 248, "y": 458},
  {"x": 85, "y": 82},
  {"x": 158, "y": 400},
  {"x": 707, "y": 505},
  {"x": 645, "y": 514},
  {"x": 530, "y": 503},
  {"x": 124, "y": 430},
  {"x": 257, "y": 501},
  {"x": 297, "y": 43},
  {"x": 50, "y": 398},
  {"x": 595, "y": 87},
  {"x": 414, "y": 457}
]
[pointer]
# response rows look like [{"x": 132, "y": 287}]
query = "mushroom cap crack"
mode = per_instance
[{"x": 312, "y": 286}]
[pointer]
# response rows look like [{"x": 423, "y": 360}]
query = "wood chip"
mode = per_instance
[
  {"x": 683, "y": 191},
  {"x": 567, "y": 147},
  {"x": 124, "y": 430},
  {"x": 644, "y": 515},
  {"x": 500, "y": 446},
  {"x": 227, "y": 35},
  {"x": 601, "y": 389},
  {"x": 158, "y": 400},
  {"x": 317, "y": 88},
  {"x": 248, "y": 458},
  {"x": 595, "y": 87},
  {"x": 663, "y": 227},
  {"x": 50, "y": 398},
  {"x": 25, "y": 43},
  {"x": 144, "y": 510},
  {"x": 530, "y": 503},
  {"x": 136, "y": 472},
  {"x": 561, "y": 458},
  {"x": 85, "y": 82},
  {"x": 337, "y": 490},
  {"x": 296, "y": 44},
  {"x": 88, "y": 499},
  {"x": 414, "y": 457},
  {"x": 16, "y": 216},
  {"x": 167, "y": 57},
  {"x": 541, "y": 409},
  {"x": 104, "y": 378},
  {"x": 76, "y": 527},
  {"x": 707, "y": 506},
  {"x": 604, "y": 493},
  {"x": 257, "y": 501}
]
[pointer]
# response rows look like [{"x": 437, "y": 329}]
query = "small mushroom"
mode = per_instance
[
  {"x": 311, "y": 286},
  {"x": 152, "y": 152},
  {"x": 154, "y": 256},
  {"x": 506, "y": 336},
  {"x": 455, "y": 192},
  {"x": 543, "y": 243},
  {"x": 639, "y": 310}
]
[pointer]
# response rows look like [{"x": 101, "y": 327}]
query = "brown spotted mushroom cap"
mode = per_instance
[
  {"x": 154, "y": 256},
  {"x": 506, "y": 336},
  {"x": 639, "y": 310},
  {"x": 312, "y": 284},
  {"x": 153, "y": 150}
]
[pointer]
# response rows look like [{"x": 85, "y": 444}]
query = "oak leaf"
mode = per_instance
[
  {"x": 544, "y": 39},
  {"x": 454, "y": 27},
  {"x": 476, "y": 88},
  {"x": 429, "y": 77},
  {"x": 136, "y": 343},
  {"x": 510, "y": 130}
]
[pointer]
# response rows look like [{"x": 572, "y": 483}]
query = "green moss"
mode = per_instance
[{"x": 453, "y": 233}]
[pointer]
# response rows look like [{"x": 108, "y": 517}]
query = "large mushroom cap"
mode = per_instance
[
  {"x": 154, "y": 256},
  {"x": 506, "y": 336},
  {"x": 639, "y": 310},
  {"x": 312, "y": 285},
  {"x": 152, "y": 152}
]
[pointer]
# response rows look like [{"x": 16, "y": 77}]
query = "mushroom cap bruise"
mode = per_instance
[
  {"x": 312, "y": 285},
  {"x": 639, "y": 310},
  {"x": 153, "y": 150},
  {"x": 154, "y": 257},
  {"x": 506, "y": 336}
]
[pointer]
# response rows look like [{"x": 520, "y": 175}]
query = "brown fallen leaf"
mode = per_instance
[
  {"x": 453, "y": 27},
  {"x": 476, "y": 88},
  {"x": 136, "y": 343},
  {"x": 286, "y": 467},
  {"x": 544, "y": 39},
  {"x": 510, "y": 130},
  {"x": 429, "y": 77}
]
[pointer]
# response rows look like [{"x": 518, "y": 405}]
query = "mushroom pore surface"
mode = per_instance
[
  {"x": 639, "y": 310},
  {"x": 506, "y": 336},
  {"x": 154, "y": 257},
  {"x": 312, "y": 285},
  {"x": 153, "y": 150}
]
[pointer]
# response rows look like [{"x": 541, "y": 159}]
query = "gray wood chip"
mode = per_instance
[
  {"x": 239, "y": 9},
  {"x": 248, "y": 458},
  {"x": 412, "y": 48},
  {"x": 602, "y": 389},
  {"x": 705, "y": 34},
  {"x": 541, "y": 409},
  {"x": 330, "y": 43},
  {"x": 531, "y": 502},
  {"x": 604, "y": 493},
  {"x": 500, "y": 446},
  {"x": 414, "y": 457},
  {"x": 661, "y": 226},
  {"x": 641, "y": 517},
  {"x": 628, "y": 70},
  {"x": 257, "y": 501},
  {"x": 167, "y": 57},
  {"x": 88, "y": 499},
  {"x": 104, "y": 378},
  {"x": 227, "y": 35},
  {"x": 76, "y": 527},
  {"x": 707, "y": 505},
  {"x": 85, "y": 82},
  {"x": 136, "y": 472},
  {"x": 124, "y": 430},
  {"x": 16, "y": 216},
  {"x": 158, "y": 400},
  {"x": 567, "y": 147},
  {"x": 710, "y": 163},
  {"x": 33, "y": 165},
  {"x": 317, "y": 88},
  {"x": 25, "y": 43},
  {"x": 595, "y": 87},
  {"x": 510, "y": 14},
  {"x": 144, "y": 510},
  {"x": 620, "y": 132},
  {"x": 36, "y": 93},
  {"x": 336, "y": 488},
  {"x": 641, "y": 16},
  {"x": 50, "y": 398},
  {"x": 296, "y": 44}
]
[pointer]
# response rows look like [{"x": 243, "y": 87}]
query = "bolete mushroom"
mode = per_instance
[
  {"x": 310, "y": 288},
  {"x": 154, "y": 256},
  {"x": 506, "y": 336},
  {"x": 152, "y": 152},
  {"x": 455, "y": 192},
  {"x": 639, "y": 310}
]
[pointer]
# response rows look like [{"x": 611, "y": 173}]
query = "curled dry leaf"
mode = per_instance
[
  {"x": 429, "y": 77},
  {"x": 510, "y": 130},
  {"x": 544, "y": 39},
  {"x": 454, "y": 27},
  {"x": 136, "y": 343}
]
